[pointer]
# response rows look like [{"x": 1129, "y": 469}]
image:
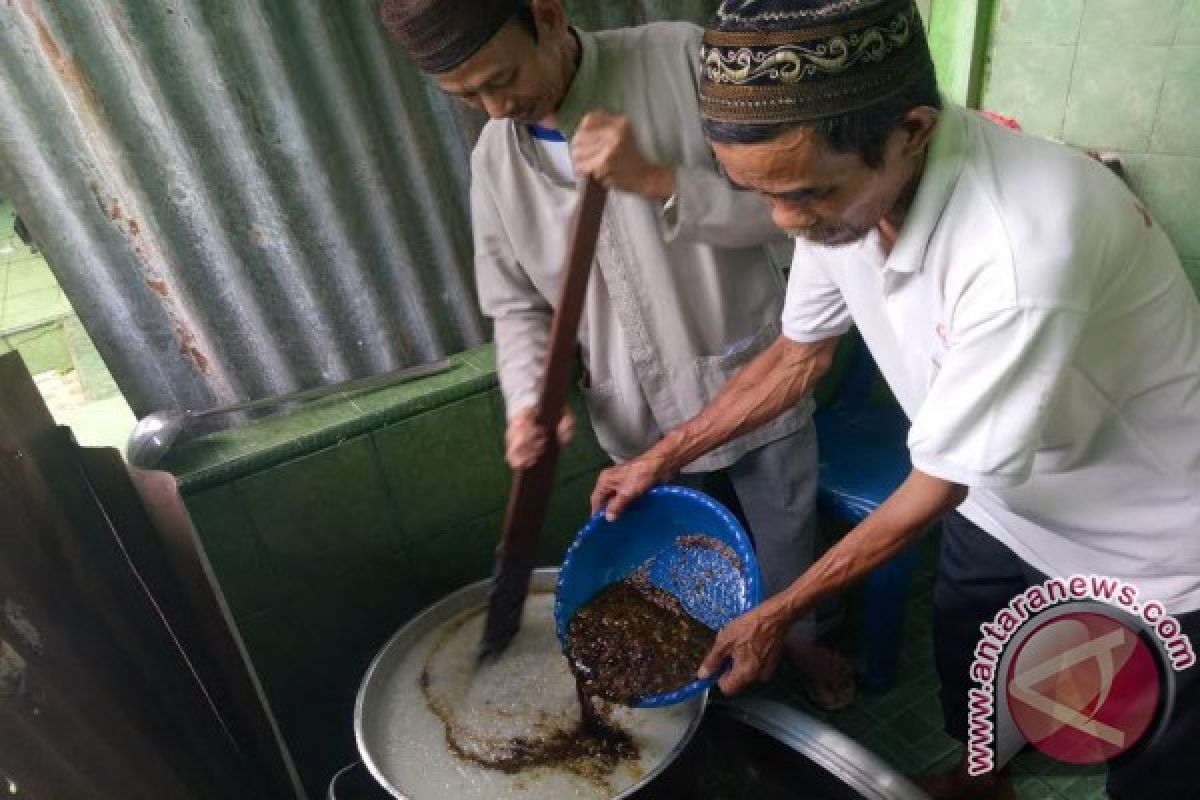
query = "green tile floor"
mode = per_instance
[
  {"x": 37, "y": 320},
  {"x": 904, "y": 725}
]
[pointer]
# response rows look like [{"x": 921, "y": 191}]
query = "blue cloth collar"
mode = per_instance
[{"x": 545, "y": 134}]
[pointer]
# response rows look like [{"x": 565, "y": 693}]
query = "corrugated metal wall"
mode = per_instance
[{"x": 244, "y": 197}]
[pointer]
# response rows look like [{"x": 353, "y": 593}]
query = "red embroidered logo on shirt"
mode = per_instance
[{"x": 942, "y": 334}]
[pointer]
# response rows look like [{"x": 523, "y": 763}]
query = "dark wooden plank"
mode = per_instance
[
  {"x": 99, "y": 699},
  {"x": 530, "y": 495}
]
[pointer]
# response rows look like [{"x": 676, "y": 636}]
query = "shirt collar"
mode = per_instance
[
  {"x": 943, "y": 165},
  {"x": 545, "y": 134},
  {"x": 580, "y": 96}
]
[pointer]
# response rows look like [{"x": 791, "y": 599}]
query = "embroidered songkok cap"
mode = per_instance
[
  {"x": 779, "y": 61},
  {"x": 441, "y": 34}
]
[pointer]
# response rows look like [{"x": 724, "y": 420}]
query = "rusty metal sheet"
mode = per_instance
[{"x": 245, "y": 197}]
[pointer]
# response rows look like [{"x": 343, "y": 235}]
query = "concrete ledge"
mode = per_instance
[{"x": 225, "y": 456}]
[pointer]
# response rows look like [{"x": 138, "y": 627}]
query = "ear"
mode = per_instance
[
  {"x": 918, "y": 126},
  {"x": 549, "y": 17}
]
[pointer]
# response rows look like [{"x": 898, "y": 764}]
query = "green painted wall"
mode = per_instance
[{"x": 957, "y": 37}]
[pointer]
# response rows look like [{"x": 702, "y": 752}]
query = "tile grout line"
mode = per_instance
[
  {"x": 4, "y": 268},
  {"x": 1062, "y": 122},
  {"x": 1162, "y": 86}
]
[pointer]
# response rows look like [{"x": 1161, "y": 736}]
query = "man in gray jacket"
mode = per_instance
[{"x": 685, "y": 291}]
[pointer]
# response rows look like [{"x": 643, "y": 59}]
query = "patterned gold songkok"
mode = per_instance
[{"x": 779, "y": 61}]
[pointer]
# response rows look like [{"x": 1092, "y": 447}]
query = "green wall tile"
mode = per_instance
[
  {"x": 330, "y": 633},
  {"x": 1030, "y": 83},
  {"x": 445, "y": 467},
  {"x": 297, "y": 424},
  {"x": 1189, "y": 23},
  {"x": 389, "y": 398},
  {"x": 239, "y": 560},
  {"x": 250, "y": 448},
  {"x": 272, "y": 638},
  {"x": 1192, "y": 267},
  {"x": 459, "y": 556},
  {"x": 310, "y": 681},
  {"x": 224, "y": 447},
  {"x": 1106, "y": 78},
  {"x": 1037, "y": 22},
  {"x": 1177, "y": 130},
  {"x": 311, "y": 652},
  {"x": 255, "y": 446},
  {"x": 466, "y": 553},
  {"x": 323, "y": 514},
  {"x": 373, "y": 601},
  {"x": 482, "y": 358},
  {"x": 1134, "y": 89},
  {"x": 1171, "y": 189},
  {"x": 1129, "y": 22}
]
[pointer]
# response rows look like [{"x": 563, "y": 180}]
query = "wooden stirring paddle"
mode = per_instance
[{"x": 530, "y": 493}]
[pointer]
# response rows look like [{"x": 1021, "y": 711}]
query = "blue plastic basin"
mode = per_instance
[{"x": 711, "y": 589}]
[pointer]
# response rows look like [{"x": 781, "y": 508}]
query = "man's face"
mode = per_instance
[
  {"x": 513, "y": 76},
  {"x": 821, "y": 195}
]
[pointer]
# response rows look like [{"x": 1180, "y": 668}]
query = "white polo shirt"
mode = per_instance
[{"x": 1036, "y": 326}]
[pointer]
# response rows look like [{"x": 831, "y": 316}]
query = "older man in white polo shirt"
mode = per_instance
[{"x": 1029, "y": 315}]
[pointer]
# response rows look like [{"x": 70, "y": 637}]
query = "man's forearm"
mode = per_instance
[
  {"x": 762, "y": 390},
  {"x": 918, "y": 502}
]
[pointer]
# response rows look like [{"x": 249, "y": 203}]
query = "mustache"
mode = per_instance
[{"x": 828, "y": 235}]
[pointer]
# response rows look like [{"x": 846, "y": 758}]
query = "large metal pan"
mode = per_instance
[{"x": 371, "y": 724}]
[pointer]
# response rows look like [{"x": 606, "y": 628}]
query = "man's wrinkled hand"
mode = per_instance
[
  {"x": 604, "y": 146},
  {"x": 752, "y": 644},
  {"x": 525, "y": 440},
  {"x": 617, "y": 487}
]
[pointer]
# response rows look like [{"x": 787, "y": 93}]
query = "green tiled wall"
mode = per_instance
[
  {"x": 1114, "y": 75},
  {"x": 328, "y": 527}
]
